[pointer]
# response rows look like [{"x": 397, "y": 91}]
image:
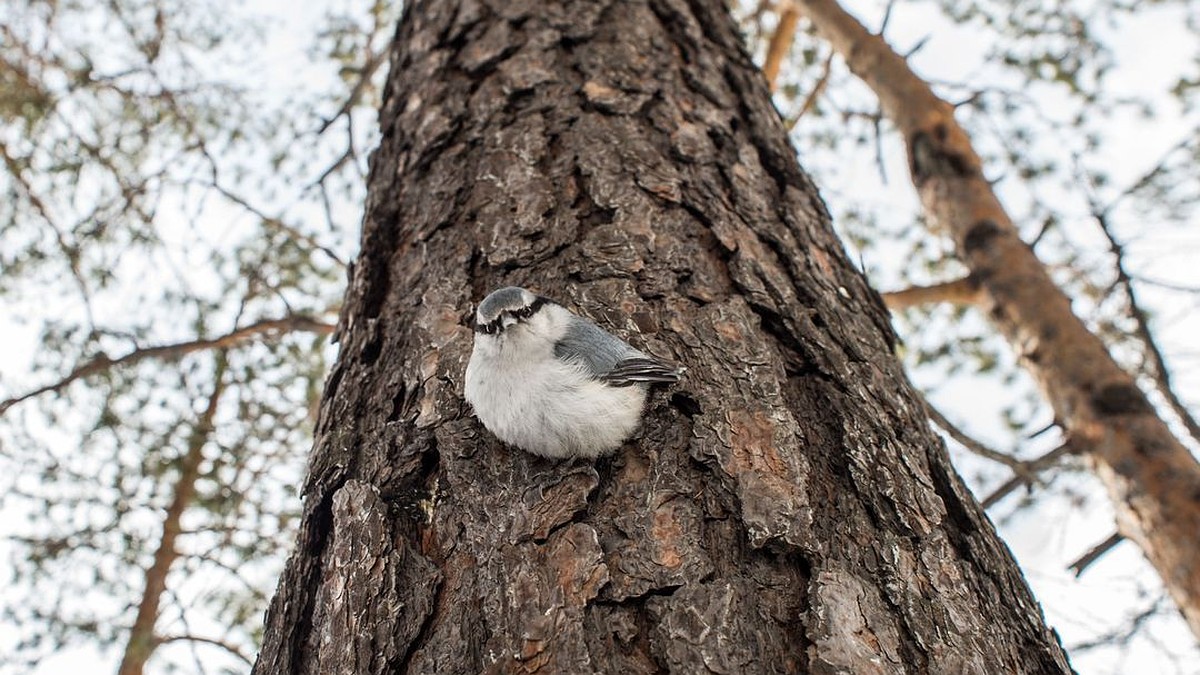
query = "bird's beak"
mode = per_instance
[{"x": 508, "y": 320}]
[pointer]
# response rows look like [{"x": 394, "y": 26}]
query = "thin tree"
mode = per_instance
[{"x": 786, "y": 507}]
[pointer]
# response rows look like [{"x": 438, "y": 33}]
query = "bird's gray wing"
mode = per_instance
[
  {"x": 608, "y": 358},
  {"x": 641, "y": 369}
]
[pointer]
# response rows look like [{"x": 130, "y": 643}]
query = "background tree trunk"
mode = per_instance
[
  {"x": 786, "y": 507},
  {"x": 1153, "y": 479}
]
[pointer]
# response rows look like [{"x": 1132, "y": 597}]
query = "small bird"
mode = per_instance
[{"x": 553, "y": 383}]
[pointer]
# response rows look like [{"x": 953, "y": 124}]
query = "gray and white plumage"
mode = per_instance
[{"x": 553, "y": 383}]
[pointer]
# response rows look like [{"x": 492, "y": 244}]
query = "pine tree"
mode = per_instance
[{"x": 785, "y": 508}]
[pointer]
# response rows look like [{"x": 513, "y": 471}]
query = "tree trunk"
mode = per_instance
[
  {"x": 785, "y": 508},
  {"x": 143, "y": 641}
]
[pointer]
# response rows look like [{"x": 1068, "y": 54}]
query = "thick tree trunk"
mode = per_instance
[
  {"x": 1152, "y": 478},
  {"x": 785, "y": 508}
]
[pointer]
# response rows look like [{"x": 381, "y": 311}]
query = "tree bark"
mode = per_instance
[
  {"x": 1151, "y": 477},
  {"x": 785, "y": 508}
]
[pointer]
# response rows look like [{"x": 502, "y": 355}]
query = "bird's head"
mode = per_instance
[{"x": 506, "y": 307}]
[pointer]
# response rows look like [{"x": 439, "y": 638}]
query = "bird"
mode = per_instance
[{"x": 553, "y": 383}]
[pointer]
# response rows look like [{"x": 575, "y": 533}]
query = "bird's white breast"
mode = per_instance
[{"x": 529, "y": 398}]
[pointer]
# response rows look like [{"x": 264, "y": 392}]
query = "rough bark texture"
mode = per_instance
[
  {"x": 1152, "y": 478},
  {"x": 784, "y": 509}
]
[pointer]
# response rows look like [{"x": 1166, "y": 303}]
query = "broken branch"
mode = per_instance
[
  {"x": 964, "y": 291},
  {"x": 1095, "y": 553}
]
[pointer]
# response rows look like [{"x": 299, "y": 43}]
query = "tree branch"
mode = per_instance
[
  {"x": 1122, "y": 635},
  {"x": 1167, "y": 285},
  {"x": 964, "y": 291},
  {"x": 1153, "y": 174},
  {"x": 172, "y": 352},
  {"x": 1018, "y": 466},
  {"x": 370, "y": 66},
  {"x": 1019, "y": 479},
  {"x": 277, "y": 223},
  {"x": 69, "y": 251},
  {"x": 817, "y": 90},
  {"x": 201, "y": 144},
  {"x": 1095, "y": 553},
  {"x": 781, "y": 41},
  {"x": 1161, "y": 375},
  {"x": 229, "y": 647}
]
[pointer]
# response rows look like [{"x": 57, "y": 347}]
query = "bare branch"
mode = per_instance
[
  {"x": 887, "y": 16},
  {"x": 1150, "y": 176},
  {"x": 877, "y": 127},
  {"x": 172, "y": 352},
  {"x": 1047, "y": 223},
  {"x": 1034, "y": 467},
  {"x": 372, "y": 63},
  {"x": 338, "y": 163},
  {"x": 201, "y": 145},
  {"x": 69, "y": 251},
  {"x": 1018, "y": 466},
  {"x": 964, "y": 291},
  {"x": 1121, "y": 635},
  {"x": 1167, "y": 285},
  {"x": 1095, "y": 553},
  {"x": 781, "y": 41},
  {"x": 817, "y": 90},
  {"x": 229, "y": 647},
  {"x": 1161, "y": 375},
  {"x": 278, "y": 224}
]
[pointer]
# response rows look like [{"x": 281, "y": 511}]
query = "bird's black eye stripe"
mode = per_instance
[
  {"x": 525, "y": 312},
  {"x": 530, "y": 309}
]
